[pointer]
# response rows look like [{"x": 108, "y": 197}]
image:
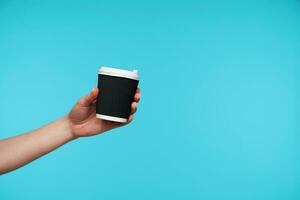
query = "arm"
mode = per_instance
[{"x": 81, "y": 121}]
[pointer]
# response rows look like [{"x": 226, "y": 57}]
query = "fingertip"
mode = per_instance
[
  {"x": 133, "y": 107},
  {"x": 138, "y": 90},
  {"x": 133, "y": 104},
  {"x": 137, "y": 97},
  {"x": 130, "y": 118},
  {"x": 94, "y": 93},
  {"x": 96, "y": 89}
]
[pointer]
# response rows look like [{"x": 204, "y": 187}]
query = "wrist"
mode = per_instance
[{"x": 69, "y": 131}]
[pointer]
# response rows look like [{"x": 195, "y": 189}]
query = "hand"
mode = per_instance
[{"x": 83, "y": 121}]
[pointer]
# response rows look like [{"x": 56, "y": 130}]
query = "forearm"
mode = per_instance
[{"x": 20, "y": 150}]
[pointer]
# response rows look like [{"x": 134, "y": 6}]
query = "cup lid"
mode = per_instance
[{"x": 119, "y": 72}]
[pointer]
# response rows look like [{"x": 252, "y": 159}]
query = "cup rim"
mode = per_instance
[{"x": 111, "y": 71}]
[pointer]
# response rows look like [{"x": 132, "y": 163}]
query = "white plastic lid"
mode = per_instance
[{"x": 119, "y": 72}]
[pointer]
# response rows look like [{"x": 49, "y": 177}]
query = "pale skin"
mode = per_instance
[{"x": 20, "y": 150}]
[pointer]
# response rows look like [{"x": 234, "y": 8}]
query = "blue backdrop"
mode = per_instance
[{"x": 219, "y": 115}]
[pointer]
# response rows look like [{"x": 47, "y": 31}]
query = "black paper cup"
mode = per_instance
[{"x": 117, "y": 88}]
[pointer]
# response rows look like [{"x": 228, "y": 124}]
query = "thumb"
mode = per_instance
[{"x": 89, "y": 99}]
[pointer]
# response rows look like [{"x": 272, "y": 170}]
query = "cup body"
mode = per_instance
[{"x": 116, "y": 93}]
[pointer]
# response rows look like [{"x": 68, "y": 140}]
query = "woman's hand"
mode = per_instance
[{"x": 83, "y": 121}]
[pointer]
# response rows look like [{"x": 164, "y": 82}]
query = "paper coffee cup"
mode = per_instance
[{"x": 117, "y": 88}]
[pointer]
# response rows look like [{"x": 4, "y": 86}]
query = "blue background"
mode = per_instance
[{"x": 219, "y": 115}]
